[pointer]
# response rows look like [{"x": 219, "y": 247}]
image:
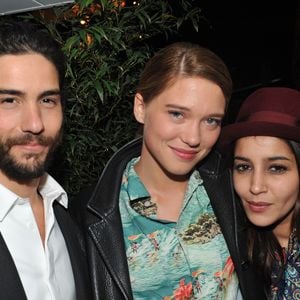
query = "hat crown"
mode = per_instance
[
  {"x": 270, "y": 111},
  {"x": 284, "y": 101}
]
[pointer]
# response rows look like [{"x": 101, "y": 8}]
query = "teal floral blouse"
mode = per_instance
[
  {"x": 286, "y": 285},
  {"x": 182, "y": 260}
]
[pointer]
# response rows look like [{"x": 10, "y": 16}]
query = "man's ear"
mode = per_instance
[{"x": 139, "y": 108}]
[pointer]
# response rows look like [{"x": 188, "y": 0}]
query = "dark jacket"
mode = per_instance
[
  {"x": 11, "y": 287},
  {"x": 101, "y": 221}
]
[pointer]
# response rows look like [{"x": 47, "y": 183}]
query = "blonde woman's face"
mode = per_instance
[{"x": 181, "y": 125}]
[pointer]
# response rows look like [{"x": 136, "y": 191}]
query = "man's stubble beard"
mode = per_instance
[{"x": 23, "y": 172}]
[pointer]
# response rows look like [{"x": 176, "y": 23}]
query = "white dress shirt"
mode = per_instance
[{"x": 45, "y": 271}]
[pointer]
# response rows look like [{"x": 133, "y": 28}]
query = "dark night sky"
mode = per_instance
[{"x": 256, "y": 40}]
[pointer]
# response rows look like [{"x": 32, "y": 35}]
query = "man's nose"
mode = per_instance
[{"x": 32, "y": 120}]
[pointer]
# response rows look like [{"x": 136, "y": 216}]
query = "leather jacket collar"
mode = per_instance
[{"x": 210, "y": 166}]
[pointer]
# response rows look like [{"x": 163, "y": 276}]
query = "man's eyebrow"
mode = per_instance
[
  {"x": 55, "y": 92},
  {"x": 19, "y": 93},
  {"x": 11, "y": 92}
]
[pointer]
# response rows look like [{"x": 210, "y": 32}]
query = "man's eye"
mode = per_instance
[
  {"x": 49, "y": 102},
  {"x": 8, "y": 100},
  {"x": 8, "y": 103}
]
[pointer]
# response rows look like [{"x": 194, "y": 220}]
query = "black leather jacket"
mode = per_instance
[{"x": 98, "y": 213}]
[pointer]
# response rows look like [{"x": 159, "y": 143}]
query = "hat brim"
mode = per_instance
[{"x": 232, "y": 132}]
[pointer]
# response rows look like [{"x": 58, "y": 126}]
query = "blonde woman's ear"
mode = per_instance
[{"x": 139, "y": 108}]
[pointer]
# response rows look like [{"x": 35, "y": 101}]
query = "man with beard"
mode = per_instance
[{"x": 41, "y": 254}]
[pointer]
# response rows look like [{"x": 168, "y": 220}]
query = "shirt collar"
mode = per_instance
[
  {"x": 194, "y": 181},
  {"x": 136, "y": 188},
  {"x": 8, "y": 199},
  {"x": 50, "y": 191}
]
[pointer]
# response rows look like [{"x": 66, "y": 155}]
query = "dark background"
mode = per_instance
[{"x": 258, "y": 40}]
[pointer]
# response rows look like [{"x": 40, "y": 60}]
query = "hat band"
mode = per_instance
[{"x": 272, "y": 117}]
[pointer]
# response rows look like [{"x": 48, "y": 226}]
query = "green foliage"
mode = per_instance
[{"x": 104, "y": 60}]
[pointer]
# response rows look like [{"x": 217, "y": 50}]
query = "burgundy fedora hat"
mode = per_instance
[{"x": 270, "y": 111}]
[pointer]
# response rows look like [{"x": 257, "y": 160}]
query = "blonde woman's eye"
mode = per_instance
[
  {"x": 175, "y": 114},
  {"x": 214, "y": 121}
]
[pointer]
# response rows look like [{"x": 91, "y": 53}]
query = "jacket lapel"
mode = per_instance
[
  {"x": 215, "y": 174},
  {"x": 108, "y": 238},
  {"x": 74, "y": 243},
  {"x": 229, "y": 213},
  {"x": 10, "y": 282},
  {"x": 221, "y": 201},
  {"x": 106, "y": 230}
]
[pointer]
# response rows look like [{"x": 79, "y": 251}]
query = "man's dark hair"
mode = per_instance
[{"x": 24, "y": 37}]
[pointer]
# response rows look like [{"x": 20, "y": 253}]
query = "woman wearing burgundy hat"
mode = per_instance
[{"x": 266, "y": 158}]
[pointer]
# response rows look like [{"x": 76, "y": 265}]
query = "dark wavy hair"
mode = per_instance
[
  {"x": 24, "y": 37},
  {"x": 264, "y": 249}
]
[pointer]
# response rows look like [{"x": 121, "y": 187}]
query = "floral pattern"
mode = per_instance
[
  {"x": 187, "y": 260},
  {"x": 286, "y": 284}
]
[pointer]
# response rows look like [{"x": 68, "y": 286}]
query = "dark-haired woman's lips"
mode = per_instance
[{"x": 259, "y": 206}]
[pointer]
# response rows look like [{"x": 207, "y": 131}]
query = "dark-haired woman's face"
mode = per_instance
[{"x": 267, "y": 180}]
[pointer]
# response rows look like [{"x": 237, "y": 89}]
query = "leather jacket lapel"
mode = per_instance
[
  {"x": 224, "y": 208},
  {"x": 108, "y": 239},
  {"x": 106, "y": 227}
]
